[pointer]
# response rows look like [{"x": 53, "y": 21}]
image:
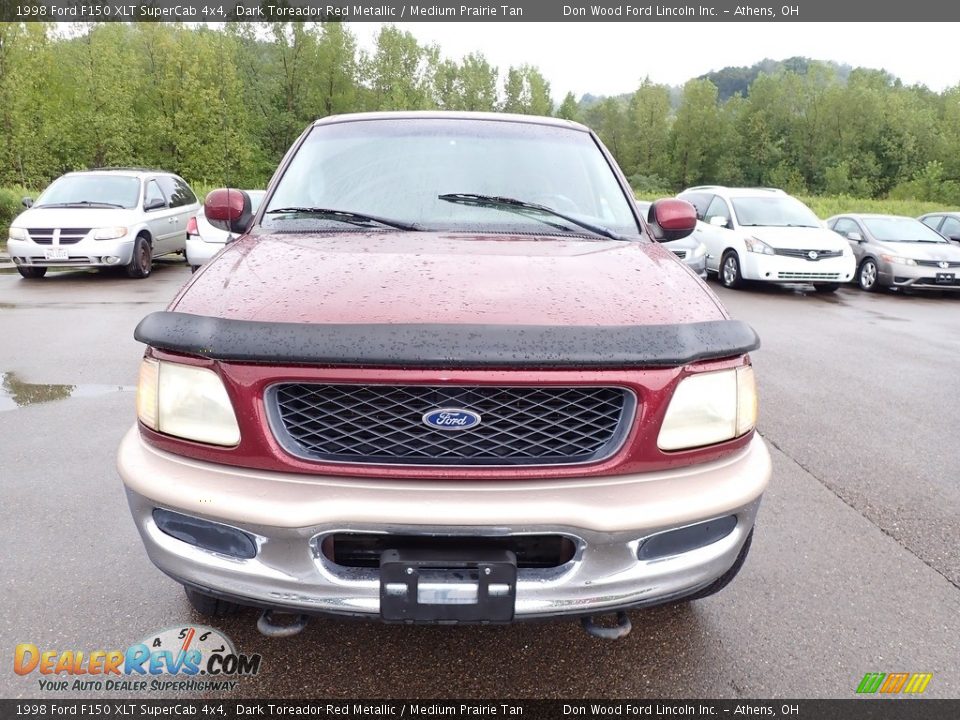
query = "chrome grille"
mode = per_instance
[
  {"x": 68, "y": 236},
  {"x": 805, "y": 254},
  {"x": 383, "y": 423}
]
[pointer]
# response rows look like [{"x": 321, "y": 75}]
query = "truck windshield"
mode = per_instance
[{"x": 406, "y": 169}]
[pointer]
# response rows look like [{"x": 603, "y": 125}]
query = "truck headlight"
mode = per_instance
[
  {"x": 17, "y": 233},
  {"x": 186, "y": 401},
  {"x": 709, "y": 408},
  {"x": 109, "y": 233}
]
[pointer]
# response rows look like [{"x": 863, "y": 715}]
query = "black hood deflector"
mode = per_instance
[{"x": 447, "y": 346}]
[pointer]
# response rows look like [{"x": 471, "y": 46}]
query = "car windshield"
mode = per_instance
[
  {"x": 901, "y": 229},
  {"x": 91, "y": 191},
  {"x": 773, "y": 211},
  {"x": 397, "y": 169}
]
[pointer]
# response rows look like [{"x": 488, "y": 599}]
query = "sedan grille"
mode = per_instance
[
  {"x": 936, "y": 263},
  {"x": 805, "y": 254},
  {"x": 68, "y": 236},
  {"x": 385, "y": 424}
]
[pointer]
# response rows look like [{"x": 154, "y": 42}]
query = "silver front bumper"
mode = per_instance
[{"x": 290, "y": 571}]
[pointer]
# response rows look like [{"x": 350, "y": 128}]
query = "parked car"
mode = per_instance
[
  {"x": 899, "y": 252},
  {"x": 445, "y": 375},
  {"x": 763, "y": 234},
  {"x": 109, "y": 217},
  {"x": 945, "y": 223},
  {"x": 204, "y": 240},
  {"x": 690, "y": 250}
]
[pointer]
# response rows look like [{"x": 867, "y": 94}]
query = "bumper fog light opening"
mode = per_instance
[
  {"x": 206, "y": 535},
  {"x": 692, "y": 537}
]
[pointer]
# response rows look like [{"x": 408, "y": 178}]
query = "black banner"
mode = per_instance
[
  {"x": 854, "y": 709},
  {"x": 474, "y": 10}
]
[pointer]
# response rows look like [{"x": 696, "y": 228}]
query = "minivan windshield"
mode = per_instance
[
  {"x": 121, "y": 191},
  {"x": 901, "y": 229},
  {"x": 773, "y": 211},
  {"x": 404, "y": 172}
]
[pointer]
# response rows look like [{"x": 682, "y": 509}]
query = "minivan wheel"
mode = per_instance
[
  {"x": 730, "y": 270},
  {"x": 867, "y": 276},
  {"x": 141, "y": 264},
  {"x": 826, "y": 287},
  {"x": 31, "y": 273},
  {"x": 210, "y": 606}
]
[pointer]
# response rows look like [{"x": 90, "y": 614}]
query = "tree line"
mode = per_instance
[{"x": 222, "y": 105}]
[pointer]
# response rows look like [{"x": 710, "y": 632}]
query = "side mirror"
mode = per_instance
[
  {"x": 229, "y": 209},
  {"x": 854, "y": 236},
  {"x": 720, "y": 221},
  {"x": 671, "y": 219},
  {"x": 154, "y": 204},
  {"x": 27, "y": 202}
]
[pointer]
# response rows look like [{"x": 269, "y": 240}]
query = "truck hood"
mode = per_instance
[
  {"x": 798, "y": 238},
  {"x": 421, "y": 277}
]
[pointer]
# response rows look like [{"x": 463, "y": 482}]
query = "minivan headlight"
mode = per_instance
[
  {"x": 756, "y": 245},
  {"x": 109, "y": 233},
  {"x": 709, "y": 408},
  {"x": 186, "y": 401},
  {"x": 17, "y": 233},
  {"x": 699, "y": 251}
]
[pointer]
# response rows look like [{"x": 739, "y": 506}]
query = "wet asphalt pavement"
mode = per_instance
[{"x": 855, "y": 565}]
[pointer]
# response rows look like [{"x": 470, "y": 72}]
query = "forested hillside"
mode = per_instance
[{"x": 222, "y": 105}]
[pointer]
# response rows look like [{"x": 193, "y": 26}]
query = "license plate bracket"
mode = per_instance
[
  {"x": 449, "y": 587},
  {"x": 945, "y": 278}
]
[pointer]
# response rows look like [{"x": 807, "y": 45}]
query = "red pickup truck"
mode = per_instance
[{"x": 445, "y": 373}]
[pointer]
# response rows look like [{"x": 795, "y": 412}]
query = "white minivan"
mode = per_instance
[
  {"x": 111, "y": 217},
  {"x": 766, "y": 235}
]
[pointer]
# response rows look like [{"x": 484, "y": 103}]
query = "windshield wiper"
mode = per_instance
[
  {"x": 526, "y": 208},
  {"x": 346, "y": 216},
  {"x": 80, "y": 203}
]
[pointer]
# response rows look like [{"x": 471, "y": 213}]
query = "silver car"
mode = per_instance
[
  {"x": 689, "y": 249},
  {"x": 893, "y": 251},
  {"x": 204, "y": 240},
  {"x": 945, "y": 223},
  {"x": 110, "y": 217}
]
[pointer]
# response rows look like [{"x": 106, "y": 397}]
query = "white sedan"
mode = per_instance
[{"x": 204, "y": 240}]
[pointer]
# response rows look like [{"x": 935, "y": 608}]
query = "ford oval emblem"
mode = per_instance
[{"x": 451, "y": 419}]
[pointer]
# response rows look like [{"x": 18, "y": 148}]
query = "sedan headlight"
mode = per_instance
[
  {"x": 17, "y": 233},
  {"x": 758, "y": 246},
  {"x": 709, "y": 408},
  {"x": 186, "y": 401},
  {"x": 897, "y": 260},
  {"x": 109, "y": 233}
]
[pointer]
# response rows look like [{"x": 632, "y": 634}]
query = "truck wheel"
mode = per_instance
[
  {"x": 141, "y": 264},
  {"x": 210, "y": 606},
  {"x": 721, "y": 582}
]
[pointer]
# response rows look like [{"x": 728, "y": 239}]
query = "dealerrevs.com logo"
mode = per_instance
[{"x": 190, "y": 658}]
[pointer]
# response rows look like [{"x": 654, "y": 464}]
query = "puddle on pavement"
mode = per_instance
[{"x": 15, "y": 393}]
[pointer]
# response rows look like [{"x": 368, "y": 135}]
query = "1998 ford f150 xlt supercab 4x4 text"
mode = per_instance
[{"x": 445, "y": 374}]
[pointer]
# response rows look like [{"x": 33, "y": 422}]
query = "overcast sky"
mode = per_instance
[{"x": 610, "y": 58}]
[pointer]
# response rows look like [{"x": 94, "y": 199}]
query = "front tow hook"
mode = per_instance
[
  {"x": 268, "y": 625},
  {"x": 620, "y": 630}
]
